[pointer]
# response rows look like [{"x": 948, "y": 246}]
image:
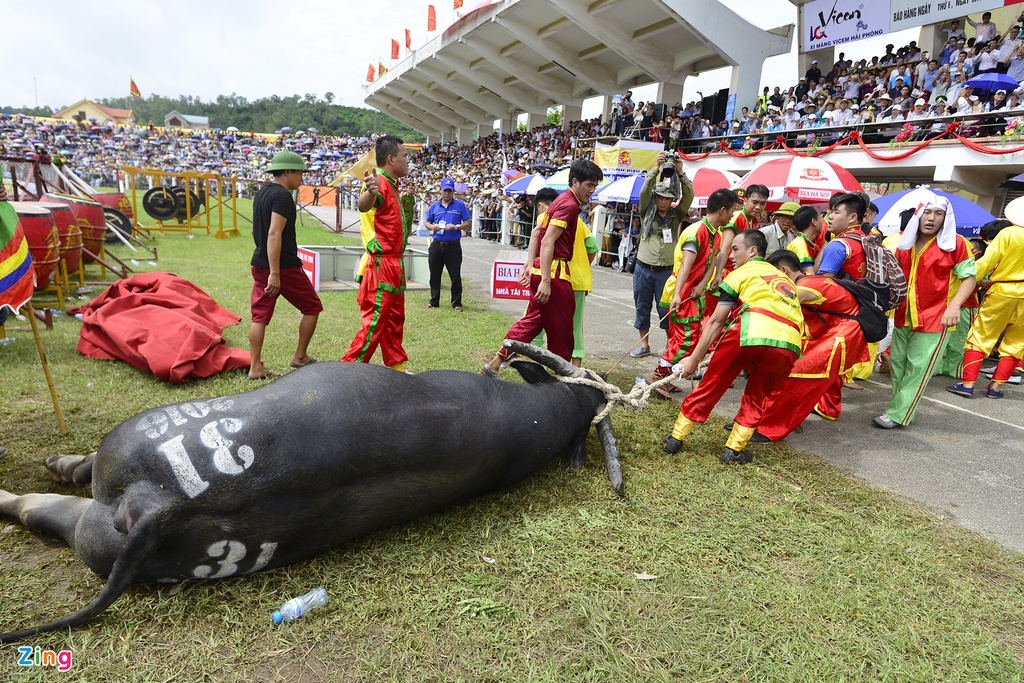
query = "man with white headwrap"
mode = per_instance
[{"x": 940, "y": 274}]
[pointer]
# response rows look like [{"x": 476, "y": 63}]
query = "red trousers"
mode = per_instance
[
  {"x": 767, "y": 369},
  {"x": 554, "y": 317},
  {"x": 790, "y": 405},
  {"x": 382, "y": 310},
  {"x": 682, "y": 338}
]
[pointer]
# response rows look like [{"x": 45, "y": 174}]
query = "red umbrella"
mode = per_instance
[
  {"x": 807, "y": 180},
  {"x": 707, "y": 180}
]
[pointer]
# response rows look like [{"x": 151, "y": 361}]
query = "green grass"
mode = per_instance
[{"x": 786, "y": 570}]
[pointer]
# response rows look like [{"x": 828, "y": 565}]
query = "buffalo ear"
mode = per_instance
[{"x": 533, "y": 373}]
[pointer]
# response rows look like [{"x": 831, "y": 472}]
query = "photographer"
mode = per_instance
[{"x": 660, "y": 227}]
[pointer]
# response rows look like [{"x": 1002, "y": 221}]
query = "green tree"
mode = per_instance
[{"x": 554, "y": 116}]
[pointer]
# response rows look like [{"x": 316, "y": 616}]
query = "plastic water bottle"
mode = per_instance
[{"x": 296, "y": 607}]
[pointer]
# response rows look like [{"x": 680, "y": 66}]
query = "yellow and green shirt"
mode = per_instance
[{"x": 769, "y": 311}]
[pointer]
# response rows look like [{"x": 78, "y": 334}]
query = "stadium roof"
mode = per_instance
[{"x": 506, "y": 57}]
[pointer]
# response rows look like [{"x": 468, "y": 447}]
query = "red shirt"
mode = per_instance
[{"x": 563, "y": 213}]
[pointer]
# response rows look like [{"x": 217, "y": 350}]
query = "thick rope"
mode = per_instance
[{"x": 636, "y": 399}]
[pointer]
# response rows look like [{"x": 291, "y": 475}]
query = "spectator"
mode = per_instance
[
  {"x": 813, "y": 73},
  {"x": 985, "y": 30}
]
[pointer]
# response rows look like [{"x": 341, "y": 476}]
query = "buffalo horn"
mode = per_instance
[
  {"x": 610, "y": 446},
  {"x": 560, "y": 366}
]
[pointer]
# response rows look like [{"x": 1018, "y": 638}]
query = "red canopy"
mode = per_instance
[{"x": 160, "y": 323}]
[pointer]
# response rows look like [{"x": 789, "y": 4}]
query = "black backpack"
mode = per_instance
[{"x": 873, "y": 298}]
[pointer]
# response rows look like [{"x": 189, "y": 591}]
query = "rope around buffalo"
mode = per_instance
[{"x": 636, "y": 399}]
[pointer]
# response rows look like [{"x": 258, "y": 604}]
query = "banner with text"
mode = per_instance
[
  {"x": 310, "y": 265},
  {"x": 505, "y": 280},
  {"x": 626, "y": 158},
  {"x": 834, "y": 22},
  {"x": 912, "y": 13}
]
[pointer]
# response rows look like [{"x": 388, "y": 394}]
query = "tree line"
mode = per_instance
[{"x": 264, "y": 115}]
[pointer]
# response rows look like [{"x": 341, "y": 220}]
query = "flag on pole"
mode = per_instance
[
  {"x": 381, "y": 69},
  {"x": 17, "y": 277},
  {"x": 394, "y": 49},
  {"x": 458, "y": 4},
  {"x": 370, "y": 73},
  {"x": 133, "y": 89},
  {"x": 431, "y": 18},
  {"x": 408, "y": 39}
]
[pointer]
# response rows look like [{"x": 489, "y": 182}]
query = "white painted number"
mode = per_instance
[
  {"x": 191, "y": 483},
  {"x": 223, "y": 460},
  {"x": 232, "y": 553}
]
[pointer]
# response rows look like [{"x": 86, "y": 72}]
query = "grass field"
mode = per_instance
[{"x": 786, "y": 570}]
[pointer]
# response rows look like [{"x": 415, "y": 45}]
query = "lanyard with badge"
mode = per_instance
[{"x": 666, "y": 232}]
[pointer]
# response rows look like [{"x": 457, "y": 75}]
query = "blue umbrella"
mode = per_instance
[
  {"x": 969, "y": 216},
  {"x": 528, "y": 184},
  {"x": 991, "y": 82},
  {"x": 622, "y": 190}
]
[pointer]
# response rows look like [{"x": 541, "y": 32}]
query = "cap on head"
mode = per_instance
[
  {"x": 664, "y": 189},
  {"x": 447, "y": 184},
  {"x": 920, "y": 103},
  {"x": 287, "y": 161},
  {"x": 787, "y": 209}
]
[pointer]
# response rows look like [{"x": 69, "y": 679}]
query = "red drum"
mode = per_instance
[
  {"x": 41, "y": 234},
  {"x": 68, "y": 231},
  {"x": 90, "y": 219},
  {"x": 115, "y": 200}
]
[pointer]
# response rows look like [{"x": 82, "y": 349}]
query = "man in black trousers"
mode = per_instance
[{"x": 446, "y": 219}]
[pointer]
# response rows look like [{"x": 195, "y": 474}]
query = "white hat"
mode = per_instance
[
  {"x": 814, "y": 61},
  {"x": 1014, "y": 211},
  {"x": 974, "y": 98},
  {"x": 828, "y": 114},
  {"x": 790, "y": 106},
  {"x": 920, "y": 103},
  {"x": 1000, "y": 91},
  {"x": 854, "y": 106}
]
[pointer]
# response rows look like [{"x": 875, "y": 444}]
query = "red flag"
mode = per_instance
[
  {"x": 458, "y": 4},
  {"x": 394, "y": 49},
  {"x": 431, "y": 18},
  {"x": 133, "y": 89},
  {"x": 370, "y": 74},
  {"x": 408, "y": 39},
  {"x": 381, "y": 69}
]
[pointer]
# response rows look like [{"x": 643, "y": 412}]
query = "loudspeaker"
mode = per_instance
[
  {"x": 708, "y": 111},
  {"x": 658, "y": 112}
]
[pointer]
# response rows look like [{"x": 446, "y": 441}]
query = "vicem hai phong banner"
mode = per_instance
[
  {"x": 626, "y": 158},
  {"x": 834, "y": 22}
]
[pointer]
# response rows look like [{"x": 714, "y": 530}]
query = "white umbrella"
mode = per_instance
[{"x": 621, "y": 190}]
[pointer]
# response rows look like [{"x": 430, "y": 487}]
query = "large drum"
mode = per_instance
[
  {"x": 68, "y": 232},
  {"x": 41, "y": 234},
  {"x": 115, "y": 200},
  {"x": 90, "y": 219}
]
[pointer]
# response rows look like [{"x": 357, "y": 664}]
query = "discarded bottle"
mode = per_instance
[{"x": 296, "y": 607}]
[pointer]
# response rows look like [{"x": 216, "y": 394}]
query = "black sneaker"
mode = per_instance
[
  {"x": 671, "y": 444},
  {"x": 730, "y": 456}
]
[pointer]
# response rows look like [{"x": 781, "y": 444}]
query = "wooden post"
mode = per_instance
[{"x": 46, "y": 368}]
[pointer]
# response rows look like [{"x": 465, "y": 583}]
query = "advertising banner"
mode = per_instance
[
  {"x": 912, "y": 13},
  {"x": 834, "y": 22},
  {"x": 310, "y": 265},
  {"x": 626, "y": 158},
  {"x": 505, "y": 280}
]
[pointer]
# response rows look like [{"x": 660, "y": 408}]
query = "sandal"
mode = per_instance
[
  {"x": 487, "y": 372},
  {"x": 302, "y": 365}
]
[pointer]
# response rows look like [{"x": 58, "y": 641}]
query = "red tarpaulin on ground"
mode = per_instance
[{"x": 160, "y": 323}]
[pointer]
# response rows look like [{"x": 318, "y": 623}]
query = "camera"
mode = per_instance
[{"x": 668, "y": 169}]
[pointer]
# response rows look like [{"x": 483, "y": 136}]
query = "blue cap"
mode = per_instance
[
  {"x": 447, "y": 184},
  {"x": 277, "y": 617}
]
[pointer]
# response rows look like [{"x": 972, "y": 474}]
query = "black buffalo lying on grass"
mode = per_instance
[{"x": 235, "y": 485}]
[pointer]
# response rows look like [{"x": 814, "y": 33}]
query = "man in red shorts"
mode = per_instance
[{"x": 275, "y": 265}]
